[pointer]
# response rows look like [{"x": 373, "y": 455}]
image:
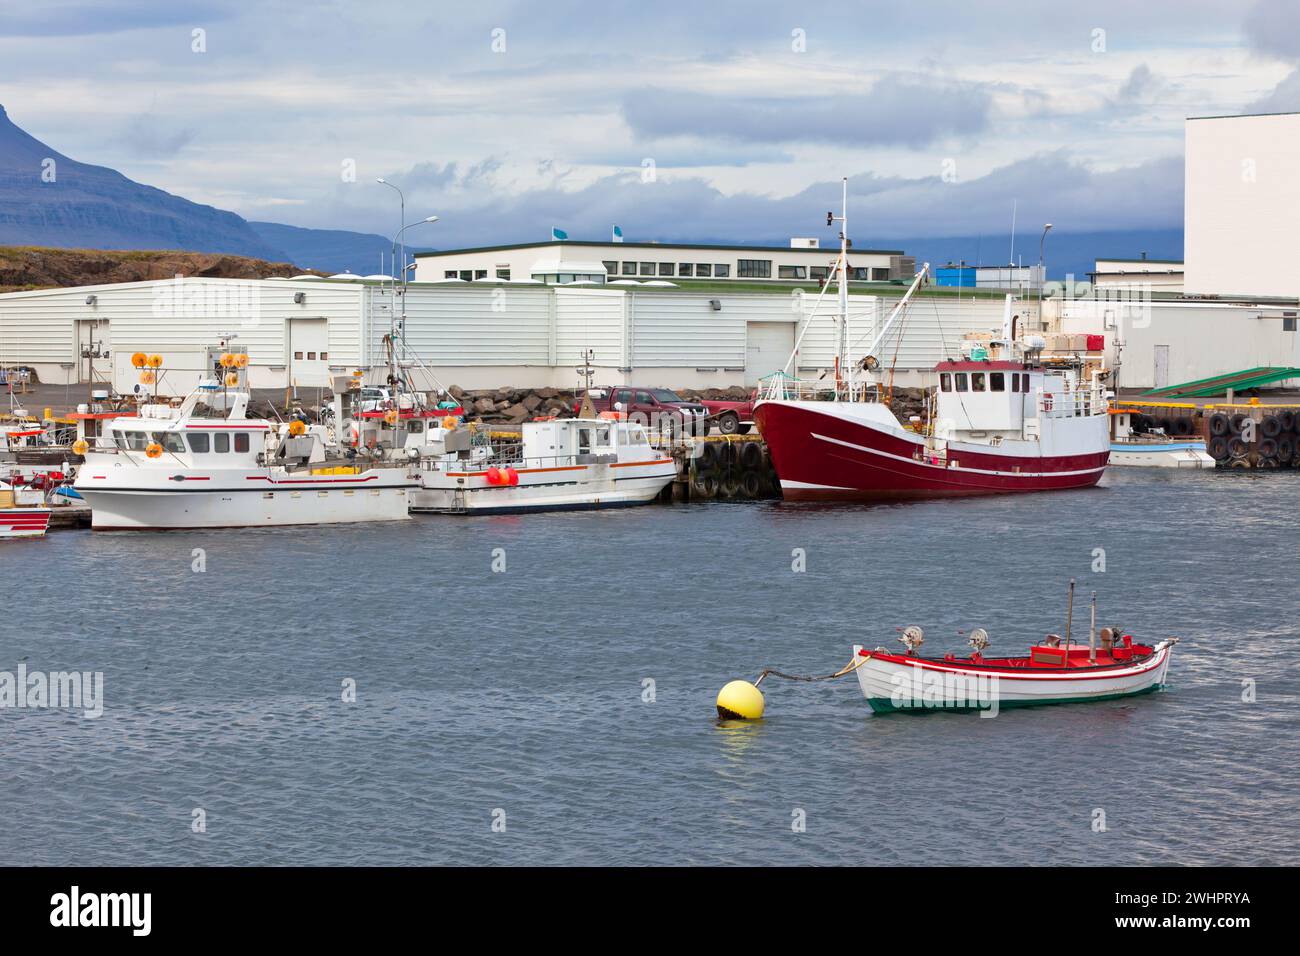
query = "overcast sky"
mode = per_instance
[{"x": 678, "y": 121}]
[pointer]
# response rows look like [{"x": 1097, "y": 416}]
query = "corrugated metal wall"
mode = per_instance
[
  {"x": 469, "y": 326},
  {"x": 819, "y": 327},
  {"x": 590, "y": 319},
  {"x": 670, "y": 330}
]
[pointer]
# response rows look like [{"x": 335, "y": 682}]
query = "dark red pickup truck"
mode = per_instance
[
  {"x": 732, "y": 418},
  {"x": 659, "y": 409}
]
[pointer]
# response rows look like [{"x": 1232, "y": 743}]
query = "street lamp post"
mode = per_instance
[{"x": 1042, "y": 271}]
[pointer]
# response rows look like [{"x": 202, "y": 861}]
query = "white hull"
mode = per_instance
[
  {"x": 250, "y": 500},
  {"x": 896, "y": 685},
  {"x": 568, "y": 488},
  {"x": 1179, "y": 454}
]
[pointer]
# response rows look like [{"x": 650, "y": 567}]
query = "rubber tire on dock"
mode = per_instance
[
  {"x": 1239, "y": 463},
  {"x": 1238, "y": 423},
  {"x": 1217, "y": 448},
  {"x": 704, "y": 485},
  {"x": 751, "y": 485},
  {"x": 1288, "y": 419},
  {"x": 707, "y": 460},
  {"x": 1285, "y": 449},
  {"x": 1219, "y": 424},
  {"x": 1237, "y": 448},
  {"x": 751, "y": 456},
  {"x": 1271, "y": 426},
  {"x": 729, "y": 485}
]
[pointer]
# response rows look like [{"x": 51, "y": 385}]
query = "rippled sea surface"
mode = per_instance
[{"x": 521, "y": 696}]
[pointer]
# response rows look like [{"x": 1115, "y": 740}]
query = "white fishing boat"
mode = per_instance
[
  {"x": 23, "y": 513},
  {"x": 206, "y": 464},
  {"x": 560, "y": 464},
  {"x": 1056, "y": 671},
  {"x": 1133, "y": 445}
]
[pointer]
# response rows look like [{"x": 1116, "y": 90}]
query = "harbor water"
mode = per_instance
[{"x": 560, "y": 709}]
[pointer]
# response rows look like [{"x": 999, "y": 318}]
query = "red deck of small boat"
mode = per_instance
[{"x": 1041, "y": 657}]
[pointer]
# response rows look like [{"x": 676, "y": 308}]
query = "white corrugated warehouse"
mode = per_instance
[{"x": 300, "y": 332}]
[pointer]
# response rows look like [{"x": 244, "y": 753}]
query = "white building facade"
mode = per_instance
[
  {"x": 1242, "y": 200},
  {"x": 561, "y": 262},
  {"x": 299, "y": 333}
]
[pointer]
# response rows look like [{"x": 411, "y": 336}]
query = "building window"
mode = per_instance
[
  {"x": 821, "y": 274},
  {"x": 665, "y": 268},
  {"x": 611, "y": 268},
  {"x": 324, "y": 356},
  {"x": 503, "y": 274},
  {"x": 754, "y": 268},
  {"x": 449, "y": 274},
  {"x": 647, "y": 268},
  {"x": 879, "y": 274},
  {"x": 629, "y": 268},
  {"x": 859, "y": 272},
  {"x": 792, "y": 272},
  {"x": 480, "y": 273},
  {"x": 703, "y": 270},
  {"x": 685, "y": 269},
  {"x": 297, "y": 356},
  {"x": 1288, "y": 323},
  {"x": 721, "y": 270},
  {"x": 467, "y": 274}
]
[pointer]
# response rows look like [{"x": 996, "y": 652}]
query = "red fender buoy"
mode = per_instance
[
  {"x": 494, "y": 476},
  {"x": 512, "y": 476}
]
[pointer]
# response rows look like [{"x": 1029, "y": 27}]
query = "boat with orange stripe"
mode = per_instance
[{"x": 558, "y": 465}]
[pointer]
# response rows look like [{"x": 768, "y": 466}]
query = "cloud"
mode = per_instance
[
  {"x": 152, "y": 136},
  {"x": 1271, "y": 27},
  {"x": 899, "y": 109},
  {"x": 1050, "y": 187},
  {"x": 52, "y": 18},
  {"x": 1285, "y": 97},
  {"x": 1140, "y": 84}
]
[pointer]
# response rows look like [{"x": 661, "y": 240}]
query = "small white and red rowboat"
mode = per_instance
[
  {"x": 1053, "y": 672},
  {"x": 20, "y": 520}
]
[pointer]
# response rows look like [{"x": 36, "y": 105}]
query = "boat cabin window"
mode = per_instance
[
  {"x": 997, "y": 382},
  {"x": 977, "y": 381},
  {"x": 221, "y": 443},
  {"x": 199, "y": 442},
  {"x": 961, "y": 381},
  {"x": 945, "y": 381},
  {"x": 170, "y": 441},
  {"x": 415, "y": 426},
  {"x": 241, "y": 441},
  {"x": 602, "y": 436},
  {"x": 134, "y": 441}
]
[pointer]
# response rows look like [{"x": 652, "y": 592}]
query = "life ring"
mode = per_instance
[
  {"x": 390, "y": 416},
  {"x": 80, "y": 446},
  {"x": 153, "y": 450},
  {"x": 232, "y": 379},
  {"x": 297, "y": 428},
  {"x": 450, "y": 422},
  {"x": 241, "y": 360},
  {"x": 139, "y": 360},
  {"x": 155, "y": 361}
]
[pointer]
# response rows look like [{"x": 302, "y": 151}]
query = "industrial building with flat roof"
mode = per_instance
[
  {"x": 300, "y": 332},
  {"x": 566, "y": 261}
]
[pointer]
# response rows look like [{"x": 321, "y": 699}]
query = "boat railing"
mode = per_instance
[
  {"x": 780, "y": 387},
  {"x": 511, "y": 456},
  {"x": 1084, "y": 402}
]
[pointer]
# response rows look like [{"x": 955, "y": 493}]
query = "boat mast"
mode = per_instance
[{"x": 847, "y": 357}]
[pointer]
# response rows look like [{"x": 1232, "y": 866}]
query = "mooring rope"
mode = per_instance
[{"x": 848, "y": 668}]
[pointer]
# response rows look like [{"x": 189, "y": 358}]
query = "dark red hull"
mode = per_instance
[{"x": 821, "y": 456}]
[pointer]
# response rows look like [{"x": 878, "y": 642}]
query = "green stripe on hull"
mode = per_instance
[{"x": 883, "y": 705}]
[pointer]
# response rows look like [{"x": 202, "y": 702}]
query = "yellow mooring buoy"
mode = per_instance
[{"x": 740, "y": 700}]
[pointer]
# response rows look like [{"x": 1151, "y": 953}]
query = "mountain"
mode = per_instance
[
  {"x": 28, "y": 267},
  {"x": 334, "y": 250},
  {"x": 84, "y": 206}
]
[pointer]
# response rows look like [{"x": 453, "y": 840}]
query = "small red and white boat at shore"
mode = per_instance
[
  {"x": 1054, "y": 672},
  {"x": 20, "y": 518},
  {"x": 1000, "y": 419}
]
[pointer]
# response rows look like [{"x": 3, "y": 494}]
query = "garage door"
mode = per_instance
[
  {"x": 309, "y": 353},
  {"x": 767, "y": 348}
]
